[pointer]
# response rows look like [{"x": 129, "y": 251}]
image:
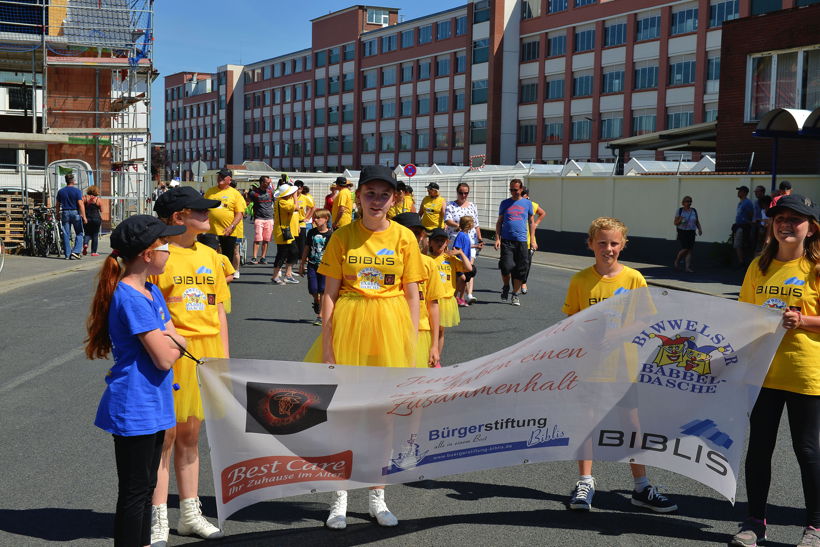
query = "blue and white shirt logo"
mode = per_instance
[
  {"x": 794, "y": 281},
  {"x": 621, "y": 290},
  {"x": 204, "y": 270},
  {"x": 385, "y": 252}
]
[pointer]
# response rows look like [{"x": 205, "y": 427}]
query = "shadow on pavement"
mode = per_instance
[{"x": 57, "y": 524}]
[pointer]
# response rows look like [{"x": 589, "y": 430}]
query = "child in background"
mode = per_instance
[
  {"x": 449, "y": 263},
  {"x": 317, "y": 238},
  {"x": 465, "y": 243},
  {"x": 430, "y": 291},
  {"x": 129, "y": 318},
  {"x": 607, "y": 238},
  {"x": 195, "y": 289}
]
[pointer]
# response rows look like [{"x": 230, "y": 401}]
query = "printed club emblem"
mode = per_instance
[{"x": 281, "y": 409}]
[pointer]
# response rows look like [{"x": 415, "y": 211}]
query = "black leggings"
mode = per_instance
[
  {"x": 804, "y": 423},
  {"x": 137, "y": 463}
]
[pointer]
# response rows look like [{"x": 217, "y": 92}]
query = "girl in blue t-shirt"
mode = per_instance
[{"x": 129, "y": 318}]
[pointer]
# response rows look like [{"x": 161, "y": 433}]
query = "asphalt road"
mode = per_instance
[{"x": 59, "y": 483}]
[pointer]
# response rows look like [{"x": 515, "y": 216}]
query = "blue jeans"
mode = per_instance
[{"x": 68, "y": 220}]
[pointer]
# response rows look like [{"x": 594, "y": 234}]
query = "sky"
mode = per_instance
[{"x": 200, "y": 35}]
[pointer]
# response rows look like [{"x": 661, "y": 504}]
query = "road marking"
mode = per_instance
[{"x": 42, "y": 369}]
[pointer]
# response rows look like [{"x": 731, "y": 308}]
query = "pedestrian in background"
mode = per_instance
[
  {"x": 285, "y": 231},
  {"x": 70, "y": 209},
  {"x": 130, "y": 319},
  {"x": 432, "y": 208},
  {"x": 515, "y": 222},
  {"x": 261, "y": 198},
  {"x": 93, "y": 216},
  {"x": 226, "y": 220},
  {"x": 687, "y": 223}
]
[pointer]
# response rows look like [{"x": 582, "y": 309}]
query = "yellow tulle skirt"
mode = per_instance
[
  {"x": 425, "y": 340},
  {"x": 370, "y": 331},
  {"x": 187, "y": 399},
  {"x": 448, "y": 312}
]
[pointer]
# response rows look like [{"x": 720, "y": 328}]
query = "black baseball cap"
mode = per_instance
[
  {"x": 179, "y": 198},
  {"x": 432, "y": 186},
  {"x": 225, "y": 172},
  {"x": 378, "y": 172},
  {"x": 744, "y": 188},
  {"x": 797, "y": 203},
  {"x": 409, "y": 220},
  {"x": 785, "y": 185},
  {"x": 437, "y": 232},
  {"x": 135, "y": 234},
  {"x": 340, "y": 181}
]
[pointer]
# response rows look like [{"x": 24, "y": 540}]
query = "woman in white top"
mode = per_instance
[
  {"x": 453, "y": 212},
  {"x": 686, "y": 221}
]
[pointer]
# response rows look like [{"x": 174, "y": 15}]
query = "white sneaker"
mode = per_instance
[
  {"x": 379, "y": 510},
  {"x": 581, "y": 499},
  {"x": 337, "y": 520},
  {"x": 159, "y": 525},
  {"x": 236, "y": 274},
  {"x": 191, "y": 521}
]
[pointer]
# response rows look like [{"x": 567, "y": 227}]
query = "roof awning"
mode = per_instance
[
  {"x": 699, "y": 137},
  {"x": 783, "y": 122}
]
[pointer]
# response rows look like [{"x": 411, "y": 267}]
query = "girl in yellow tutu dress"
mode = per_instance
[
  {"x": 449, "y": 264},
  {"x": 370, "y": 309}
]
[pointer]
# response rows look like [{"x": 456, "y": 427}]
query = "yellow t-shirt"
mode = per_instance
[
  {"x": 374, "y": 264},
  {"x": 222, "y": 217},
  {"x": 193, "y": 283},
  {"x": 431, "y": 212},
  {"x": 429, "y": 290},
  {"x": 795, "y": 365},
  {"x": 227, "y": 267},
  {"x": 285, "y": 214},
  {"x": 447, "y": 267},
  {"x": 408, "y": 203},
  {"x": 587, "y": 287},
  {"x": 305, "y": 202},
  {"x": 343, "y": 199},
  {"x": 535, "y": 207}
]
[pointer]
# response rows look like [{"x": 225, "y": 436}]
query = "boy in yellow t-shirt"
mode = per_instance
[
  {"x": 342, "y": 212},
  {"x": 432, "y": 208},
  {"x": 606, "y": 278}
]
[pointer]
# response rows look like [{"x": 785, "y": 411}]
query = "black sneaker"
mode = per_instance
[
  {"x": 651, "y": 498},
  {"x": 505, "y": 292},
  {"x": 751, "y": 531},
  {"x": 263, "y": 260},
  {"x": 316, "y": 308}
]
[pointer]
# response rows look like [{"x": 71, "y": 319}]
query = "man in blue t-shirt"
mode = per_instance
[
  {"x": 71, "y": 211},
  {"x": 515, "y": 219}
]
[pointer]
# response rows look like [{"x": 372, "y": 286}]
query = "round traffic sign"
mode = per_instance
[{"x": 410, "y": 170}]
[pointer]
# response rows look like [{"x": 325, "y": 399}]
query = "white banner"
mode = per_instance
[{"x": 658, "y": 377}]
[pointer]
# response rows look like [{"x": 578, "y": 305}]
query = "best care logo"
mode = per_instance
[{"x": 285, "y": 409}]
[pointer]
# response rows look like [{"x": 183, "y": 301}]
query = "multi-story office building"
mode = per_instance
[{"x": 513, "y": 80}]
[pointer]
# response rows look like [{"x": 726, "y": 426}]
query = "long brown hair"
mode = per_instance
[{"x": 811, "y": 247}]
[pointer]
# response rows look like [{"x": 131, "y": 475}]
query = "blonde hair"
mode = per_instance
[
  {"x": 811, "y": 246},
  {"x": 321, "y": 213},
  {"x": 466, "y": 223},
  {"x": 607, "y": 223}
]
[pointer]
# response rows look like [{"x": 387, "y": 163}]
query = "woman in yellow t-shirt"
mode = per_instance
[
  {"x": 285, "y": 219},
  {"x": 785, "y": 277},
  {"x": 432, "y": 208},
  {"x": 342, "y": 212},
  {"x": 370, "y": 309},
  {"x": 449, "y": 263}
]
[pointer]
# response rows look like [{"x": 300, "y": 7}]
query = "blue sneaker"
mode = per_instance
[{"x": 652, "y": 499}]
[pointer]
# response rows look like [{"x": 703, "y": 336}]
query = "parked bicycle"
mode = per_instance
[{"x": 43, "y": 234}]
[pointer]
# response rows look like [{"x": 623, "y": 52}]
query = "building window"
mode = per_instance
[
  {"x": 370, "y": 79},
  {"x": 297, "y": 92},
  {"x": 406, "y": 104},
  {"x": 347, "y": 144},
  {"x": 681, "y": 70},
  {"x": 526, "y": 132},
  {"x": 425, "y": 34},
  {"x": 478, "y": 132},
  {"x": 643, "y": 121},
  {"x": 723, "y": 11},
  {"x": 581, "y": 3},
  {"x": 333, "y": 85},
  {"x": 554, "y": 88},
  {"x": 612, "y": 80},
  {"x": 368, "y": 48},
  {"x": 612, "y": 127},
  {"x": 648, "y": 28},
  {"x": 407, "y": 72},
  {"x": 528, "y": 91},
  {"x": 461, "y": 25},
  {"x": 347, "y": 113},
  {"x": 369, "y": 143},
  {"x": 387, "y": 142},
  {"x": 422, "y": 105},
  {"x": 481, "y": 51},
  {"x": 458, "y": 136},
  {"x": 389, "y": 76},
  {"x": 348, "y": 52},
  {"x": 481, "y": 11},
  {"x": 480, "y": 91},
  {"x": 266, "y": 71},
  {"x": 646, "y": 77},
  {"x": 424, "y": 70},
  {"x": 443, "y": 66},
  {"x": 557, "y": 5},
  {"x": 581, "y": 129},
  {"x": 319, "y": 87},
  {"x": 584, "y": 40},
  {"x": 348, "y": 82},
  {"x": 378, "y": 16},
  {"x": 442, "y": 100},
  {"x": 615, "y": 35},
  {"x": 461, "y": 62},
  {"x": 388, "y": 109},
  {"x": 318, "y": 116},
  {"x": 582, "y": 85},
  {"x": 368, "y": 111},
  {"x": 333, "y": 115},
  {"x": 530, "y": 49},
  {"x": 684, "y": 21},
  {"x": 408, "y": 38},
  {"x": 458, "y": 99},
  {"x": 553, "y": 129},
  {"x": 530, "y": 9},
  {"x": 759, "y": 7},
  {"x": 557, "y": 45},
  {"x": 775, "y": 82},
  {"x": 710, "y": 112},
  {"x": 321, "y": 58},
  {"x": 679, "y": 116},
  {"x": 443, "y": 30},
  {"x": 405, "y": 141},
  {"x": 389, "y": 43},
  {"x": 441, "y": 137},
  {"x": 422, "y": 139}
]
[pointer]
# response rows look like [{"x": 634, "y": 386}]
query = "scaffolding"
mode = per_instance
[{"x": 88, "y": 90}]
